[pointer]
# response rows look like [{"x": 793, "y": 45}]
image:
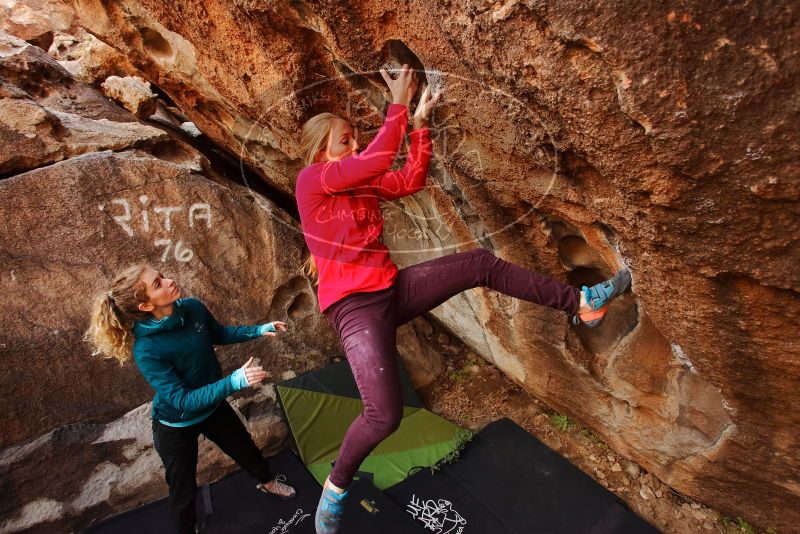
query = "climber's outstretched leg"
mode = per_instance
[{"x": 420, "y": 288}]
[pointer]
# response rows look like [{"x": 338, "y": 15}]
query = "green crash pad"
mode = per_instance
[{"x": 321, "y": 405}]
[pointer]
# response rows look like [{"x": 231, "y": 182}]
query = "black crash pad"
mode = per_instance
[
  {"x": 239, "y": 508},
  {"x": 508, "y": 482}
]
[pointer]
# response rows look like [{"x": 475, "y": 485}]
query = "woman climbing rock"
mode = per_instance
[
  {"x": 172, "y": 342},
  {"x": 363, "y": 293}
]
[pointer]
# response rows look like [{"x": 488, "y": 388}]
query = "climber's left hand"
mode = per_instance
[{"x": 425, "y": 108}]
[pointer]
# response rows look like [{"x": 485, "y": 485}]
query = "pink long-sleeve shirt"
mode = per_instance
[{"x": 340, "y": 212}]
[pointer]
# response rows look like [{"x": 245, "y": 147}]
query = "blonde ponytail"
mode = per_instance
[
  {"x": 114, "y": 313},
  {"x": 310, "y": 269},
  {"x": 315, "y": 136}
]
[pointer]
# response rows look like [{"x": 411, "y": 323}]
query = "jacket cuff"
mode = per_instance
[
  {"x": 269, "y": 327},
  {"x": 397, "y": 110},
  {"x": 238, "y": 380}
]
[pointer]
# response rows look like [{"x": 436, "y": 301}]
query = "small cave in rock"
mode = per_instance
[
  {"x": 155, "y": 44},
  {"x": 396, "y": 51},
  {"x": 575, "y": 253},
  {"x": 43, "y": 41},
  {"x": 300, "y": 305},
  {"x": 256, "y": 409},
  {"x": 586, "y": 267},
  {"x": 292, "y": 299},
  {"x": 585, "y": 276}
]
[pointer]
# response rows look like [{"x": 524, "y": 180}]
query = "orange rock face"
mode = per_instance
[
  {"x": 574, "y": 137},
  {"x": 86, "y": 190}
]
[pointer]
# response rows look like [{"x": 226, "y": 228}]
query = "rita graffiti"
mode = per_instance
[
  {"x": 437, "y": 516},
  {"x": 149, "y": 218}
]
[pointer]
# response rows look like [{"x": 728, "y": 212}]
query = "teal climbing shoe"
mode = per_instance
[
  {"x": 329, "y": 512},
  {"x": 598, "y": 296}
]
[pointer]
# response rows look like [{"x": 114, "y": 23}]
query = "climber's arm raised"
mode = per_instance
[
  {"x": 363, "y": 168},
  {"x": 412, "y": 177}
]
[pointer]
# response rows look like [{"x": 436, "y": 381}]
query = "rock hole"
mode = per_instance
[
  {"x": 257, "y": 409},
  {"x": 388, "y": 18},
  {"x": 43, "y": 41},
  {"x": 588, "y": 268},
  {"x": 585, "y": 276},
  {"x": 155, "y": 44},
  {"x": 395, "y": 50},
  {"x": 300, "y": 305},
  {"x": 574, "y": 252},
  {"x": 621, "y": 319},
  {"x": 292, "y": 299}
]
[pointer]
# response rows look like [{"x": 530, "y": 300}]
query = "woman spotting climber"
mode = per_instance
[
  {"x": 172, "y": 341},
  {"x": 361, "y": 291}
]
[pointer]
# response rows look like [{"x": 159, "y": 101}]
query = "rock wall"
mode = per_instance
[
  {"x": 86, "y": 190},
  {"x": 574, "y": 137}
]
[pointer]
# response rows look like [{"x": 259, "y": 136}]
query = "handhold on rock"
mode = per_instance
[{"x": 133, "y": 93}]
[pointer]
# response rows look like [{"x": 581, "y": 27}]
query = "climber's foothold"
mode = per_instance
[
  {"x": 598, "y": 297},
  {"x": 435, "y": 81},
  {"x": 393, "y": 68}
]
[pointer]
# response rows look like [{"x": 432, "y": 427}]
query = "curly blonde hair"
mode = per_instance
[{"x": 114, "y": 312}]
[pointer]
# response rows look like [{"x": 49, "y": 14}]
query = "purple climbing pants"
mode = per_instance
[{"x": 367, "y": 324}]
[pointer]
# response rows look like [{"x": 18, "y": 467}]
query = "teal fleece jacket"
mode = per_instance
[{"x": 175, "y": 354}]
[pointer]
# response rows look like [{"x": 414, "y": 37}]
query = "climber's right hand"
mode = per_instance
[{"x": 403, "y": 87}]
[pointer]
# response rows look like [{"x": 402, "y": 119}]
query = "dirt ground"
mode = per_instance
[{"x": 473, "y": 393}]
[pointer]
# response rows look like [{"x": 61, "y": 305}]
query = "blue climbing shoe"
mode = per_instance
[
  {"x": 598, "y": 296},
  {"x": 329, "y": 511}
]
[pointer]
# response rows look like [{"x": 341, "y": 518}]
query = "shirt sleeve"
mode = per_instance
[
  {"x": 227, "y": 335},
  {"x": 163, "y": 378},
  {"x": 361, "y": 169},
  {"x": 412, "y": 177}
]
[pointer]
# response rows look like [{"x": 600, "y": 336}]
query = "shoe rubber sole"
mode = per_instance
[{"x": 282, "y": 497}]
